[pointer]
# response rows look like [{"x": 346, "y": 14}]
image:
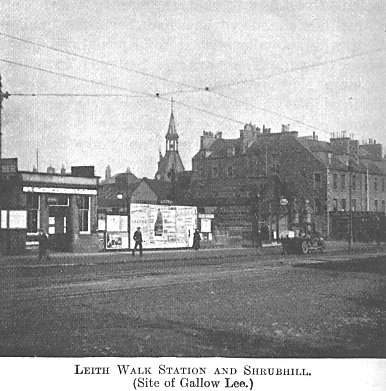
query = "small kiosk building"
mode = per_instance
[{"x": 63, "y": 205}]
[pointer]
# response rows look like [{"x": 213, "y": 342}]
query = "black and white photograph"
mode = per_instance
[{"x": 194, "y": 180}]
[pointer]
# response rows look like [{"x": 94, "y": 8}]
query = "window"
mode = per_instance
[
  {"x": 230, "y": 171},
  {"x": 383, "y": 185},
  {"x": 354, "y": 205},
  {"x": 215, "y": 172},
  {"x": 366, "y": 182},
  {"x": 32, "y": 213},
  {"x": 335, "y": 181},
  {"x": 317, "y": 181},
  {"x": 375, "y": 184},
  {"x": 383, "y": 206},
  {"x": 335, "y": 204},
  {"x": 57, "y": 199},
  {"x": 354, "y": 182},
  {"x": 343, "y": 204},
  {"x": 343, "y": 181},
  {"x": 376, "y": 205},
  {"x": 317, "y": 206},
  {"x": 84, "y": 214}
]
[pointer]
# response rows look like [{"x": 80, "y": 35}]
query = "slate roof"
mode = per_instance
[{"x": 161, "y": 188}]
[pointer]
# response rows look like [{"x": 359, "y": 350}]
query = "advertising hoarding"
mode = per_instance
[
  {"x": 117, "y": 240},
  {"x": 163, "y": 226},
  {"x": 117, "y": 237},
  {"x": 18, "y": 219},
  {"x": 4, "y": 219}
]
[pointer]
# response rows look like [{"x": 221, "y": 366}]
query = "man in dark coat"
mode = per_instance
[
  {"x": 196, "y": 240},
  {"x": 138, "y": 241},
  {"x": 43, "y": 246}
]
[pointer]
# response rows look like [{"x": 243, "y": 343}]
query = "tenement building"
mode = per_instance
[{"x": 272, "y": 182}]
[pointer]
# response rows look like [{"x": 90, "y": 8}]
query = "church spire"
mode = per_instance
[{"x": 171, "y": 135}]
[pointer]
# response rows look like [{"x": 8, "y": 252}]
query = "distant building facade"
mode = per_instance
[{"x": 279, "y": 180}]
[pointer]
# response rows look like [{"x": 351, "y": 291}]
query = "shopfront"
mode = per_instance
[{"x": 62, "y": 205}]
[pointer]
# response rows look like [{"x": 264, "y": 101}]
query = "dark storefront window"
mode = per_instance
[
  {"x": 215, "y": 172},
  {"x": 84, "y": 214},
  {"x": 335, "y": 181},
  {"x": 343, "y": 204},
  {"x": 343, "y": 181},
  {"x": 32, "y": 213},
  {"x": 317, "y": 206},
  {"x": 230, "y": 171},
  {"x": 317, "y": 181}
]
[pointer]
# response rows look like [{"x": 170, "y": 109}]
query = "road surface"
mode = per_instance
[{"x": 210, "y": 303}]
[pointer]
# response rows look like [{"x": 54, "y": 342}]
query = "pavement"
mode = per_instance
[{"x": 333, "y": 248}]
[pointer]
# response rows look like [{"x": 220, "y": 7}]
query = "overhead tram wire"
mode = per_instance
[
  {"x": 296, "y": 69},
  {"x": 38, "y": 94},
  {"x": 143, "y": 94},
  {"x": 102, "y": 62},
  {"x": 189, "y": 86},
  {"x": 213, "y": 88}
]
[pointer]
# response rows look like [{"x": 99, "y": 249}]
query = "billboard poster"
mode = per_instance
[
  {"x": 164, "y": 226},
  {"x": 117, "y": 240},
  {"x": 117, "y": 237},
  {"x": 18, "y": 219},
  {"x": 4, "y": 219},
  {"x": 116, "y": 223}
]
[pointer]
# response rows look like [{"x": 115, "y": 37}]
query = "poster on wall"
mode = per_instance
[
  {"x": 116, "y": 223},
  {"x": 18, "y": 219},
  {"x": 163, "y": 226},
  {"x": 117, "y": 240},
  {"x": 4, "y": 219}
]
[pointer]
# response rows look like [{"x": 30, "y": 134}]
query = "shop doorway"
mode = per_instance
[{"x": 58, "y": 223}]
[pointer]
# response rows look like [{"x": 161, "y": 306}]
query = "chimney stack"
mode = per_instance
[{"x": 50, "y": 170}]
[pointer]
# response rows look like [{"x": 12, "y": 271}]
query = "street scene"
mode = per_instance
[
  {"x": 193, "y": 179},
  {"x": 230, "y": 303}
]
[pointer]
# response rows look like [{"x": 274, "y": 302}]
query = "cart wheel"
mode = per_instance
[
  {"x": 315, "y": 242},
  {"x": 304, "y": 247}
]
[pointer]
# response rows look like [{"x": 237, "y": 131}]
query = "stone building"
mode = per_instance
[{"x": 291, "y": 180}]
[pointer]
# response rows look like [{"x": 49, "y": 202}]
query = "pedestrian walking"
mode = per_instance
[
  {"x": 138, "y": 241},
  {"x": 196, "y": 240},
  {"x": 43, "y": 246}
]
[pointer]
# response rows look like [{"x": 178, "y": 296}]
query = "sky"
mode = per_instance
[{"x": 316, "y": 65}]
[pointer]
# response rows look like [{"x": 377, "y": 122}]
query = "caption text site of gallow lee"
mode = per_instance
[{"x": 194, "y": 377}]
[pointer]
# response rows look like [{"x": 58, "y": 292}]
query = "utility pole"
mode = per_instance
[
  {"x": 3, "y": 95},
  {"x": 350, "y": 205}
]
